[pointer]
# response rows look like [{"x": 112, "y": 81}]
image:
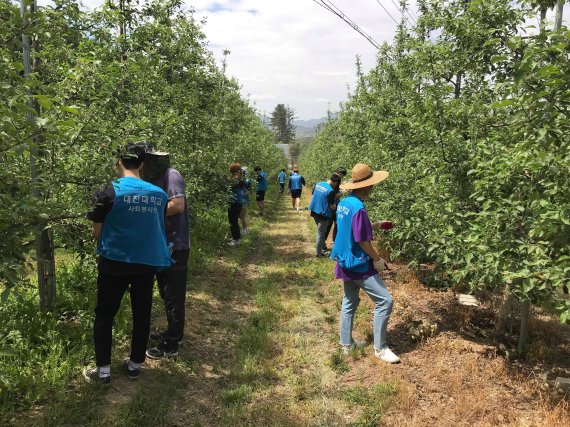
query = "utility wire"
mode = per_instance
[
  {"x": 404, "y": 12},
  {"x": 331, "y": 7},
  {"x": 386, "y": 10},
  {"x": 334, "y": 9}
]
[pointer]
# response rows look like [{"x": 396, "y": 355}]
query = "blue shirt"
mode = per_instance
[
  {"x": 133, "y": 230},
  {"x": 261, "y": 181},
  {"x": 320, "y": 200},
  {"x": 346, "y": 251},
  {"x": 281, "y": 177},
  {"x": 246, "y": 191},
  {"x": 296, "y": 182}
]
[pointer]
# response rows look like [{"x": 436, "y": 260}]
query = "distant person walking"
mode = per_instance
[
  {"x": 296, "y": 182},
  {"x": 358, "y": 263},
  {"x": 281, "y": 180},
  {"x": 322, "y": 206},
  {"x": 245, "y": 205},
  {"x": 236, "y": 189},
  {"x": 261, "y": 188},
  {"x": 128, "y": 223}
]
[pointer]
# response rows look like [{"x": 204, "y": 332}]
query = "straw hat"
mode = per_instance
[{"x": 363, "y": 176}]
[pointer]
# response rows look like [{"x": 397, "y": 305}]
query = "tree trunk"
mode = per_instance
[
  {"x": 525, "y": 325},
  {"x": 505, "y": 314},
  {"x": 45, "y": 260},
  {"x": 558, "y": 18},
  {"x": 458, "y": 84},
  {"x": 542, "y": 24}
]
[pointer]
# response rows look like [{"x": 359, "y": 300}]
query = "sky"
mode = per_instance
[{"x": 293, "y": 52}]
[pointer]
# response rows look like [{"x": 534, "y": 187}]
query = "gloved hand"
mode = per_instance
[
  {"x": 380, "y": 265},
  {"x": 384, "y": 225}
]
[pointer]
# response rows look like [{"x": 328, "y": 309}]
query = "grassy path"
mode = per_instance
[{"x": 261, "y": 350}]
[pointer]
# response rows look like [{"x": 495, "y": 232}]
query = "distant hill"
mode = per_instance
[
  {"x": 308, "y": 127},
  {"x": 309, "y": 123}
]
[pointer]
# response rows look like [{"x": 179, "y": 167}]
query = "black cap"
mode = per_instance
[{"x": 132, "y": 151}]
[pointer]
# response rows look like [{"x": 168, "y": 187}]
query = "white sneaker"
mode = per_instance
[
  {"x": 235, "y": 243},
  {"x": 244, "y": 231},
  {"x": 355, "y": 344},
  {"x": 386, "y": 355}
]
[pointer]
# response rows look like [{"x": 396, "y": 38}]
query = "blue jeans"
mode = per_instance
[
  {"x": 376, "y": 290},
  {"x": 322, "y": 226}
]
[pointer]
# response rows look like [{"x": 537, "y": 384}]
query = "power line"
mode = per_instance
[
  {"x": 403, "y": 11},
  {"x": 331, "y": 7},
  {"x": 386, "y": 10}
]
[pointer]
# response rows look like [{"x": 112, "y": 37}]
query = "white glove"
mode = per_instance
[{"x": 380, "y": 265}]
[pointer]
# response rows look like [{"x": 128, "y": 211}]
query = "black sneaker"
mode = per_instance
[
  {"x": 160, "y": 337},
  {"x": 92, "y": 376},
  {"x": 132, "y": 374},
  {"x": 158, "y": 352}
]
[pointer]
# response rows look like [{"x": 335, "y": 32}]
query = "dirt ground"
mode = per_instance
[{"x": 452, "y": 372}]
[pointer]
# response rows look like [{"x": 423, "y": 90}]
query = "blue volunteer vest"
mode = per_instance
[
  {"x": 346, "y": 252},
  {"x": 295, "y": 181},
  {"x": 281, "y": 177},
  {"x": 238, "y": 195},
  {"x": 133, "y": 231},
  {"x": 262, "y": 185},
  {"x": 246, "y": 190},
  {"x": 319, "y": 202}
]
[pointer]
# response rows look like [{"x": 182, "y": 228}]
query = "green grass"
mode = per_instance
[
  {"x": 41, "y": 355},
  {"x": 337, "y": 362},
  {"x": 375, "y": 401},
  {"x": 152, "y": 401},
  {"x": 236, "y": 395}
]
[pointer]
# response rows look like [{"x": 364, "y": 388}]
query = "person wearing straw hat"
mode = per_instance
[{"x": 358, "y": 263}]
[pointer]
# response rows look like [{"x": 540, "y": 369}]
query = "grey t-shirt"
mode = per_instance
[{"x": 177, "y": 226}]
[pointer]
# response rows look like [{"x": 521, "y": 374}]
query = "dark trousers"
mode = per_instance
[
  {"x": 333, "y": 222},
  {"x": 281, "y": 188},
  {"x": 233, "y": 216},
  {"x": 172, "y": 289},
  {"x": 110, "y": 291}
]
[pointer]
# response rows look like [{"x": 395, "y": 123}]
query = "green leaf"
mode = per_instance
[
  {"x": 71, "y": 109},
  {"x": 44, "y": 101},
  {"x": 7, "y": 352}
]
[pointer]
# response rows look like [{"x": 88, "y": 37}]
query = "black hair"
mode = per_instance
[
  {"x": 257, "y": 168},
  {"x": 342, "y": 171},
  {"x": 147, "y": 146},
  {"x": 132, "y": 155},
  {"x": 335, "y": 178},
  {"x": 282, "y": 170}
]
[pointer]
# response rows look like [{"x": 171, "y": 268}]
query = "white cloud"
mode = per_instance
[
  {"x": 291, "y": 51},
  {"x": 294, "y": 52}
]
